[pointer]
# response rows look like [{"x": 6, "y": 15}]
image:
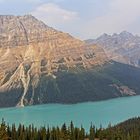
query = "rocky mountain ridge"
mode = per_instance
[
  {"x": 39, "y": 64},
  {"x": 30, "y": 49},
  {"x": 123, "y": 47}
]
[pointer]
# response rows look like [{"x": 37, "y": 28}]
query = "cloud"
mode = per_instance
[
  {"x": 86, "y": 19},
  {"x": 53, "y": 15},
  {"x": 58, "y": 1},
  {"x": 34, "y": 1},
  {"x": 121, "y": 15},
  {"x": 25, "y": 1}
]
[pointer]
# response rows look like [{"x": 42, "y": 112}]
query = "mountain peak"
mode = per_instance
[
  {"x": 126, "y": 34},
  {"x": 5, "y": 19},
  {"x": 103, "y": 36},
  {"x": 32, "y": 53},
  {"x": 12, "y": 16},
  {"x": 21, "y": 30},
  {"x": 28, "y": 16},
  {"x": 123, "y": 47}
]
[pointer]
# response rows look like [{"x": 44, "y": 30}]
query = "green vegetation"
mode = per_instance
[
  {"x": 78, "y": 85},
  {"x": 128, "y": 130},
  {"x": 81, "y": 85}
]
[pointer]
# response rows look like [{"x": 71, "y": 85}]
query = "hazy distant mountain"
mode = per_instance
[
  {"x": 39, "y": 64},
  {"x": 123, "y": 47}
]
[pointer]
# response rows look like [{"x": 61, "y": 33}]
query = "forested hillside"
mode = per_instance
[{"x": 128, "y": 130}]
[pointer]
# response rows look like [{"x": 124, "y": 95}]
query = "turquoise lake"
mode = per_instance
[{"x": 103, "y": 112}]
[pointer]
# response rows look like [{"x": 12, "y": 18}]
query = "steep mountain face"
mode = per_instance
[
  {"x": 39, "y": 64},
  {"x": 31, "y": 53},
  {"x": 123, "y": 47}
]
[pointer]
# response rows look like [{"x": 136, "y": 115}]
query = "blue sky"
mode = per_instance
[{"x": 82, "y": 18}]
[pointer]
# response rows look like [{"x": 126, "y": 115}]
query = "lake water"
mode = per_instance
[{"x": 103, "y": 112}]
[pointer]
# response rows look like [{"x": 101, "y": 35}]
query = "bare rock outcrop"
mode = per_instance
[{"x": 29, "y": 50}]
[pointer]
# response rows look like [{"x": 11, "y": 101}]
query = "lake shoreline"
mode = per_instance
[{"x": 102, "y": 112}]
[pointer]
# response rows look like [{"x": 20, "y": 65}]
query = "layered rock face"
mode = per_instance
[
  {"x": 123, "y": 47},
  {"x": 39, "y": 64},
  {"x": 33, "y": 54}
]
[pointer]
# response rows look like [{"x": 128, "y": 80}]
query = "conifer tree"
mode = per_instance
[
  {"x": 3, "y": 131},
  {"x": 92, "y": 132}
]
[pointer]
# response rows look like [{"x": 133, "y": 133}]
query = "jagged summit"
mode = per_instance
[
  {"x": 24, "y": 17},
  {"x": 123, "y": 47},
  {"x": 21, "y": 30},
  {"x": 123, "y": 34},
  {"x": 126, "y": 35},
  {"x": 103, "y": 36},
  {"x": 39, "y": 64},
  {"x": 31, "y": 52}
]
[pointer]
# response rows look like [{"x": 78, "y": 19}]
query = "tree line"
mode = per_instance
[{"x": 128, "y": 130}]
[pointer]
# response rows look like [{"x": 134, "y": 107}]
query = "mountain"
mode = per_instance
[
  {"x": 123, "y": 47},
  {"x": 32, "y": 52},
  {"x": 39, "y": 64}
]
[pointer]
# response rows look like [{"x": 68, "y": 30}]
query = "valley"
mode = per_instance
[{"x": 69, "y": 70}]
